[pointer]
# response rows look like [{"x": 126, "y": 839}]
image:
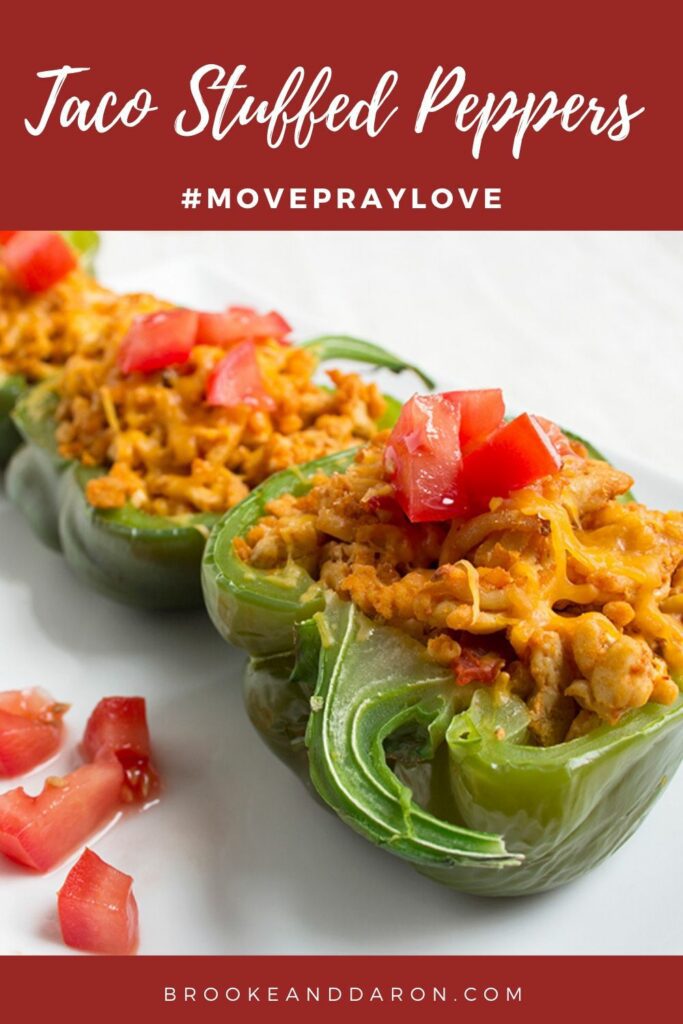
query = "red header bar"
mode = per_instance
[{"x": 573, "y": 120}]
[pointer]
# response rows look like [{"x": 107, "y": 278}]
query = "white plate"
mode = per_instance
[{"x": 237, "y": 858}]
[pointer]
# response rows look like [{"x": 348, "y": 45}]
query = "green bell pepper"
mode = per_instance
[
  {"x": 145, "y": 560},
  {"x": 251, "y": 608},
  {"x": 343, "y": 346},
  {"x": 86, "y": 244},
  {"x": 444, "y": 777},
  {"x": 13, "y": 387},
  {"x": 35, "y": 473},
  {"x": 134, "y": 557}
]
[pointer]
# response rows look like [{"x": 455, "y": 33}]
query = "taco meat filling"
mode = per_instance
[
  {"x": 558, "y": 593},
  {"x": 39, "y": 331},
  {"x": 170, "y": 453},
  {"x": 166, "y": 449}
]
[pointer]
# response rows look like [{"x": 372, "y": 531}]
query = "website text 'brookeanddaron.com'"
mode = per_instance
[{"x": 327, "y": 994}]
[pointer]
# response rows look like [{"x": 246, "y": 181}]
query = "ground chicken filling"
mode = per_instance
[
  {"x": 169, "y": 453},
  {"x": 165, "y": 449},
  {"x": 560, "y": 594},
  {"x": 38, "y": 332}
]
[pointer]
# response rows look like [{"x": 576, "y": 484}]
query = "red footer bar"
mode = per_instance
[{"x": 100, "y": 990}]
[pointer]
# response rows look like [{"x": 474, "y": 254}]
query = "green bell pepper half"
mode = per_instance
[
  {"x": 444, "y": 777},
  {"x": 139, "y": 559},
  {"x": 35, "y": 473},
  {"x": 343, "y": 346},
  {"x": 13, "y": 387},
  {"x": 251, "y": 608},
  {"x": 86, "y": 244}
]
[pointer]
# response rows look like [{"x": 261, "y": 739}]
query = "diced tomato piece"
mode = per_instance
[
  {"x": 237, "y": 380},
  {"x": 560, "y": 441},
  {"x": 97, "y": 908},
  {"x": 30, "y": 729},
  {"x": 158, "y": 340},
  {"x": 480, "y": 412},
  {"x": 272, "y": 325},
  {"x": 516, "y": 455},
  {"x": 118, "y": 726},
  {"x": 218, "y": 329},
  {"x": 424, "y": 459},
  {"x": 476, "y": 667},
  {"x": 240, "y": 323},
  {"x": 40, "y": 831},
  {"x": 5, "y": 236},
  {"x": 38, "y": 259}
]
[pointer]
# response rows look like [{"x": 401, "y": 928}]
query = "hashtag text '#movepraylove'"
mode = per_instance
[{"x": 321, "y": 198}]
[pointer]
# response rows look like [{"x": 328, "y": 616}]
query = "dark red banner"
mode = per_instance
[
  {"x": 528, "y": 989},
  {"x": 445, "y": 115}
]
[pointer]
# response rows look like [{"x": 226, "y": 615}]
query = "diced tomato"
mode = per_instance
[
  {"x": 560, "y": 441},
  {"x": 480, "y": 412},
  {"x": 272, "y": 325},
  {"x": 38, "y": 259},
  {"x": 97, "y": 908},
  {"x": 118, "y": 726},
  {"x": 158, "y": 340},
  {"x": 424, "y": 459},
  {"x": 516, "y": 455},
  {"x": 237, "y": 380},
  {"x": 30, "y": 730},
  {"x": 40, "y": 831},
  {"x": 5, "y": 236},
  {"x": 240, "y": 323},
  {"x": 476, "y": 667},
  {"x": 218, "y": 329},
  {"x": 449, "y": 454}
]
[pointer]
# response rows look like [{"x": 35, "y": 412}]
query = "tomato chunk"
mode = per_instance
[
  {"x": 424, "y": 459},
  {"x": 37, "y": 259},
  {"x": 560, "y": 441},
  {"x": 97, "y": 908},
  {"x": 40, "y": 831},
  {"x": 5, "y": 236},
  {"x": 450, "y": 454},
  {"x": 237, "y": 380},
  {"x": 240, "y": 323},
  {"x": 30, "y": 730},
  {"x": 118, "y": 727},
  {"x": 480, "y": 412},
  {"x": 516, "y": 455},
  {"x": 157, "y": 341},
  {"x": 272, "y": 325}
]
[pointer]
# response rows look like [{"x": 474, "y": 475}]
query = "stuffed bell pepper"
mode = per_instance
[
  {"x": 161, "y": 419},
  {"x": 467, "y": 637},
  {"x": 44, "y": 286}
]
